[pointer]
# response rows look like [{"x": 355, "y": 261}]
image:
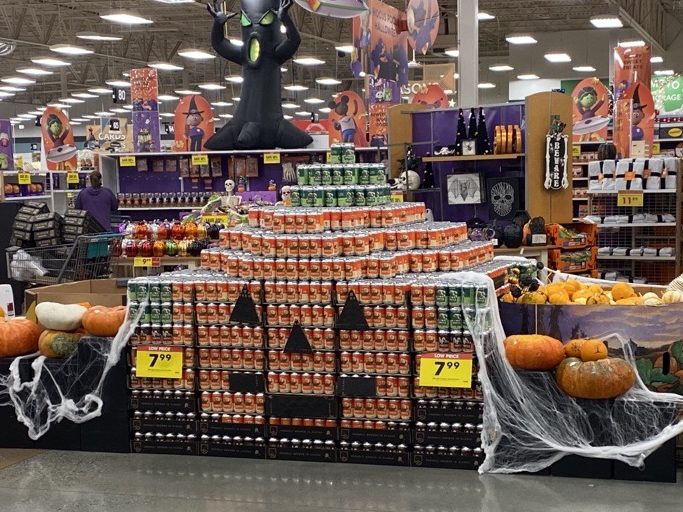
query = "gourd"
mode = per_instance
[
  {"x": 593, "y": 350},
  {"x": 59, "y": 344},
  {"x": 573, "y": 348},
  {"x": 18, "y": 336},
  {"x": 60, "y": 317},
  {"x": 672, "y": 297},
  {"x": 622, "y": 291},
  {"x": 103, "y": 321},
  {"x": 601, "y": 379},
  {"x": 533, "y": 352}
]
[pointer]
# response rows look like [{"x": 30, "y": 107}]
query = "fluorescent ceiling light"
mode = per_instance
[
  {"x": 557, "y": 57},
  {"x": 128, "y": 107},
  {"x": 236, "y": 98},
  {"x": 11, "y": 88},
  {"x": 104, "y": 114},
  {"x": 328, "y": 81},
  {"x": 35, "y": 71},
  {"x": 50, "y": 62},
  {"x": 325, "y": 110},
  {"x": 119, "y": 110},
  {"x": 501, "y": 67},
  {"x": 413, "y": 64},
  {"x": 75, "y": 123},
  {"x": 172, "y": 2},
  {"x": 452, "y": 52},
  {"x": 236, "y": 42},
  {"x": 520, "y": 39},
  {"x": 485, "y": 16},
  {"x": 196, "y": 54},
  {"x": 296, "y": 88},
  {"x": 637, "y": 43},
  {"x": 211, "y": 87},
  {"x": 80, "y": 119},
  {"x": 283, "y": 70},
  {"x": 291, "y": 106},
  {"x": 165, "y": 66},
  {"x": 486, "y": 85},
  {"x": 288, "y": 117},
  {"x": 222, "y": 104},
  {"x": 93, "y": 36},
  {"x": 118, "y": 83},
  {"x": 58, "y": 105},
  {"x": 314, "y": 101},
  {"x": 235, "y": 79},
  {"x": 664, "y": 72},
  {"x": 527, "y": 76},
  {"x": 125, "y": 74},
  {"x": 84, "y": 95},
  {"x": 18, "y": 80},
  {"x": 125, "y": 18},
  {"x": 654, "y": 60},
  {"x": 606, "y": 22},
  {"x": 225, "y": 116},
  {"x": 303, "y": 113},
  {"x": 309, "y": 61},
  {"x": 70, "y": 100},
  {"x": 449, "y": 91},
  {"x": 166, "y": 114},
  {"x": 584, "y": 69},
  {"x": 36, "y": 113},
  {"x": 186, "y": 92},
  {"x": 4, "y": 94},
  {"x": 26, "y": 116},
  {"x": 344, "y": 48},
  {"x": 69, "y": 49},
  {"x": 89, "y": 116},
  {"x": 167, "y": 97},
  {"x": 100, "y": 90}
]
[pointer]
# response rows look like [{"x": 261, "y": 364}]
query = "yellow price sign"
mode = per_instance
[
  {"x": 396, "y": 196},
  {"x": 159, "y": 362},
  {"x": 328, "y": 157},
  {"x": 72, "y": 178},
  {"x": 271, "y": 158},
  {"x": 630, "y": 198},
  {"x": 127, "y": 161},
  {"x": 18, "y": 162},
  {"x": 215, "y": 219},
  {"x": 656, "y": 148},
  {"x": 200, "y": 159},
  {"x": 141, "y": 262},
  {"x": 446, "y": 370},
  {"x": 576, "y": 150},
  {"x": 24, "y": 178}
]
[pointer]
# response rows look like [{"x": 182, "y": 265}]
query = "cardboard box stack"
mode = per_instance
[
  {"x": 23, "y": 227},
  {"x": 79, "y": 222}
]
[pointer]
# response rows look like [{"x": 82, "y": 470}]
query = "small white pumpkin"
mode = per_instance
[
  {"x": 60, "y": 317},
  {"x": 650, "y": 295},
  {"x": 652, "y": 301},
  {"x": 672, "y": 297}
]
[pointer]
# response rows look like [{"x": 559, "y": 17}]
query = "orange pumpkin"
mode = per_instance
[
  {"x": 593, "y": 350},
  {"x": 103, "y": 321},
  {"x": 533, "y": 352},
  {"x": 59, "y": 344},
  {"x": 18, "y": 336},
  {"x": 573, "y": 348},
  {"x": 602, "y": 379}
]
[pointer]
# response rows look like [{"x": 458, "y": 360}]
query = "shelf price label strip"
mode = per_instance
[
  {"x": 159, "y": 362},
  {"x": 446, "y": 370},
  {"x": 200, "y": 159},
  {"x": 630, "y": 198},
  {"x": 141, "y": 262},
  {"x": 127, "y": 161}
]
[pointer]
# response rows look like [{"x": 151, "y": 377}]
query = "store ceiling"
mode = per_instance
[{"x": 35, "y": 25}]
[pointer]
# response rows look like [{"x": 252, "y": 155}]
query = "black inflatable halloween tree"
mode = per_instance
[
  {"x": 461, "y": 133},
  {"x": 483, "y": 145},
  {"x": 258, "y": 122},
  {"x": 472, "y": 130}
]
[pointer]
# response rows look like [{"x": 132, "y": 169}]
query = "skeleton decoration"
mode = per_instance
[
  {"x": 556, "y": 152},
  {"x": 230, "y": 200},
  {"x": 502, "y": 197}
]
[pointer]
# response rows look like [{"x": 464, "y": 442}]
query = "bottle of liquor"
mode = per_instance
[
  {"x": 473, "y": 129},
  {"x": 461, "y": 133},
  {"x": 483, "y": 143},
  {"x": 428, "y": 181}
]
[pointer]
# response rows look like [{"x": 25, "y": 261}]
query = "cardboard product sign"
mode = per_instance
[
  {"x": 667, "y": 92},
  {"x": 382, "y": 95},
  {"x": 144, "y": 92},
  {"x": 631, "y": 65},
  {"x": 59, "y": 146},
  {"x": 348, "y": 119},
  {"x": 193, "y": 124},
  {"x": 6, "y": 145},
  {"x": 423, "y": 24},
  {"x": 622, "y": 127},
  {"x": 112, "y": 135},
  {"x": 642, "y": 120},
  {"x": 431, "y": 95},
  {"x": 590, "y": 114}
]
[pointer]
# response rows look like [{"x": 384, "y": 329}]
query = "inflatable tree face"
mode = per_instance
[{"x": 258, "y": 122}]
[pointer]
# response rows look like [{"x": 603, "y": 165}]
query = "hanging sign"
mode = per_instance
[
  {"x": 446, "y": 370},
  {"x": 193, "y": 124},
  {"x": 7, "y": 147},
  {"x": 556, "y": 147},
  {"x": 58, "y": 140},
  {"x": 159, "y": 362}
]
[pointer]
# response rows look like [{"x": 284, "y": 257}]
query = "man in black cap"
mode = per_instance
[{"x": 192, "y": 130}]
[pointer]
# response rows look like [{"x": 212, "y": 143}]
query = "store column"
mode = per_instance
[{"x": 468, "y": 60}]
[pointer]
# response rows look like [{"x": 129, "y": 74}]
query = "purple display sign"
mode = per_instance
[
  {"x": 6, "y": 146},
  {"x": 146, "y": 136}
]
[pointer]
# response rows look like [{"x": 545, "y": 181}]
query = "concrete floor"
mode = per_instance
[{"x": 90, "y": 482}]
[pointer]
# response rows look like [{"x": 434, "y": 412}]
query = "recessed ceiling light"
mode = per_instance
[
  {"x": 125, "y": 18},
  {"x": 225, "y": 116},
  {"x": 288, "y": 117},
  {"x": 104, "y": 114},
  {"x": 637, "y": 43},
  {"x": 50, "y": 62},
  {"x": 94, "y": 36},
  {"x": 236, "y": 42},
  {"x": 235, "y": 79},
  {"x": 486, "y": 85},
  {"x": 196, "y": 54},
  {"x": 11, "y": 88},
  {"x": 344, "y": 48},
  {"x": 291, "y": 106},
  {"x": 520, "y": 39},
  {"x": 296, "y": 88},
  {"x": 557, "y": 57},
  {"x": 18, "y": 80},
  {"x": 35, "y": 71},
  {"x": 119, "y": 110},
  {"x": 118, "y": 83},
  {"x": 606, "y": 22},
  {"x": 222, "y": 104},
  {"x": 303, "y": 113},
  {"x": 664, "y": 72},
  {"x": 656, "y": 59},
  {"x": 452, "y": 52},
  {"x": 527, "y": 76},
  {"x": 70, "y": 100},
  {"x": 309, "y": 61},
  {"x": 100, "y": 90},
  {"x": 167, "y": 97},
  {"x": 584, "y": 69},
  {"x": 485, "y": 16},
  {"x": 70, "y": 49},
  {"x": 58, "y": 105},
  {"x": 84, "y": 95},
  {"x": 186, "y": 92},
  {"x": 211, "y": 86},
  {"x": 501, "y": 67},
  {"x": 236, "y": 98},
  {"x": 314, "y": 101},
  {"x": 325, "y": 110},
  {"x": 165, "y": 66},
  {"x": 328, "y": 81}
]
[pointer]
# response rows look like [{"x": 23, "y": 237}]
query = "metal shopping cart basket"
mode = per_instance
[{"x": 88, "y": 258}]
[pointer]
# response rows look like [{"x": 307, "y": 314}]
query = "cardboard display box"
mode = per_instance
[{"x": 101, "y": 292}]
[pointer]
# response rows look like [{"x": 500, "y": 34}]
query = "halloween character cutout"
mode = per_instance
[
  {"x": 193, "y": 123},
  {"x": 591, "y": 110},
  {"x": 58, "y": 141},
  {"x": 423, "y": 24},
  {"x": 642, "y": 120},
  {"x": 258, "y": 122},
  {"x": 348, "y": 119},
  {"x": 637, "y": 116}
]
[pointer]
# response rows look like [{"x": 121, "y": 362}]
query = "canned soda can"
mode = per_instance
[
  {"x": 302, "y": 175},
  {"x": 468, "y": 295}
]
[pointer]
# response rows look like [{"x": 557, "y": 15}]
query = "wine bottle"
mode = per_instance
[
  {"x": 461, "y": 133},
  {"x": 483, "y": 144},
  {"x": 473, "y": 129}
]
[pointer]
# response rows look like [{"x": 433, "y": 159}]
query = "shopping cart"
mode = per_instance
[{"x": 88, "y": 258}]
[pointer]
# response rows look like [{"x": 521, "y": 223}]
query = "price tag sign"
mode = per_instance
[
  {"x": 215, "y": 219},
  {"x": 446, "y": 370},
  {"x": 127, "y": 161},
  {"x": 328, "y": 157},
  {"x": 200, "y": 159},
  {"x": 24, "y": 178},
  {"x": 656, "y": 148},
  {"x": 630, "y": 198},
  {"x": 159, "y": 362},
  {"x": 271, "y": 158},
  {"x": 72, "y": 178},
  {"x": 140, "y": 262},
  {"x": 396, "y": 196},
  {"x": 576, "y": 150}
]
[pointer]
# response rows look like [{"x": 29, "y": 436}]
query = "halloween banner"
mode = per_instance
[
  {"x": 348, "y": 119},
  {"x": 642, "y": 120},
  {"x": 111, "y": 135},
  {"x": 146, "y": 136},
  {"x": 631, "y": 65},
  {"x": 59, "y": 147},
  {"x": 431, "y": 95},
  {"x": 334, "y": 8},
  {"x": 381, "y": 49},
  {"x": 423, "y": 24},
  {"x": 667, "y": 92},
  {"x": 6, "y": 146},
  {"x": 193, "y": 124},
  {"x": 590, "y": 112},
  {"x": 622, "y": 127},
  {"x": 144, "y": 92},
  {"x": 382, "y": 95}
]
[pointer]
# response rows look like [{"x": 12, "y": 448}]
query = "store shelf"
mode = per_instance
[
  {"x": 591, "y": 142},
  {"x": 235, "y": 152},
  {"x": 67, "y": 191},
  {"x": 579, "y": 199},
  {"x": 28, "y": 198},
  {"x": 667, "y": 140},
  {"x": 580, "y": 163},
  {"x": 637, "y": 258},
  {"x": 579, "y": 178},
  {"x": 471, "y": 158},
  {"x": 640, "y": 225},
  {"x": 616, "y": 192},
  {"x": 158, "y": 208}
]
